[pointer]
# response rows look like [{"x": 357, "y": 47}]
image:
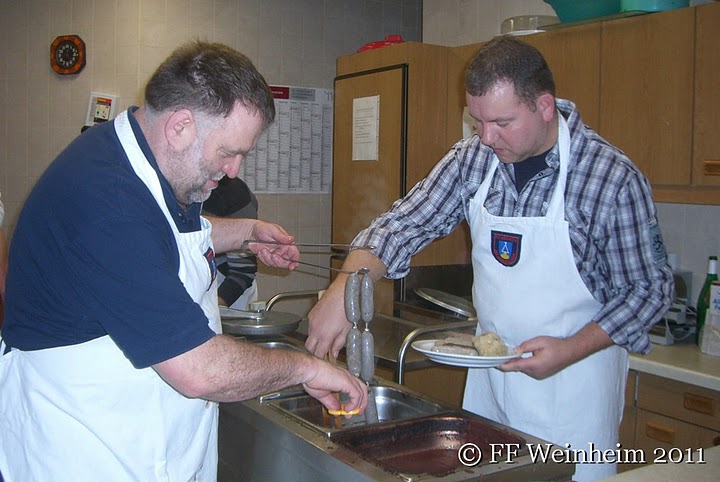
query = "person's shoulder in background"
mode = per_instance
[{"x": 231, "y": 198}]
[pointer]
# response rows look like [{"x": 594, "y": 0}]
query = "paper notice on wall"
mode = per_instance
[
  {"x": 294, "y": 155},
  {"x": 365, "y": 125}
]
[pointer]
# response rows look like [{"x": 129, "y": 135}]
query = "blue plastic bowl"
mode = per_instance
[
  {"x": 652, "y": 5},
  {"x": 573, "y": 10}
]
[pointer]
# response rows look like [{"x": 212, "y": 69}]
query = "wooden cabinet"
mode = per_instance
[
  {"x": 646, "y": 92},
  {"x": 627, "y": 426},
  {"x": 648, "y": 84},
  {"x": 706, "y": 141},
  {"x": 410, "y": 82},
  {"x": 442, "y": 382},
  {"x": 669, "y": 418},
  {"x": 573, "y": 55},
  {"x": 660, "y": 99}
]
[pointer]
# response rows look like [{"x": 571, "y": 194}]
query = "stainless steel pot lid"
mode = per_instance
[
  {"x": 262, "y": 323},
  {"x": 446, "y": 300}
]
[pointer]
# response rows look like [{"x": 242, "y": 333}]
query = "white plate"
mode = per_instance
[{"x": 469, "y": 361}]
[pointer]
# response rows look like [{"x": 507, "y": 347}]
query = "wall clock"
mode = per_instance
[{"x": 67, "y": 54}]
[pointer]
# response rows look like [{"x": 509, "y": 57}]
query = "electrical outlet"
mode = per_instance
[{"x": 101, "y": 108}]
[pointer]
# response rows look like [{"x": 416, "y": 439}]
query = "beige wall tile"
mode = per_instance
[{"x": 293, "y": 42}]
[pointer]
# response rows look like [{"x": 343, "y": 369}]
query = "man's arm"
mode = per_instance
[{"x": 225, "y": 369}]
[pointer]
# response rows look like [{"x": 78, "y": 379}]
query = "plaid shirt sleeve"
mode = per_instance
[{"x": 432, "y": 209}]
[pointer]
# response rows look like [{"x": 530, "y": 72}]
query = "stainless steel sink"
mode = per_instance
[
  {"x": 393, "y": 404},
  {"x": 427, "y": 446}
]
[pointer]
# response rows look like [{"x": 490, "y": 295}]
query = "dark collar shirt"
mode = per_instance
[
  {"x": 93, "y": 255},
  {"x": 614, "y": 232}
]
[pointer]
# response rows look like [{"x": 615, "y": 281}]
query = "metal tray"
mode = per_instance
[
  {"x": 428, "y": 445},
  {"x": 392, "y": 403}
]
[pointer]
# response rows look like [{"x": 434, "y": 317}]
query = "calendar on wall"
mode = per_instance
[{"x": 294, "y": 155}]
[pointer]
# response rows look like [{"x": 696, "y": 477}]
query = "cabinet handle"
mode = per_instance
[
  {"x": 712, "y": 167},
  {"x": 659, "y": 432},
  {"x": 698, "y": 403}
]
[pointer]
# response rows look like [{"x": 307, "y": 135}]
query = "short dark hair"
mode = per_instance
[
  {"x": 508, "y": 59},
  {"x": 210, "y": 78}
]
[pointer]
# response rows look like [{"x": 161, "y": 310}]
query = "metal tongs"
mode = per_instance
[{"x": 245, "y": 248}]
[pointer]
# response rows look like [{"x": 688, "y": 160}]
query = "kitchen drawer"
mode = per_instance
[
  {"x": 690, "y": 403},
  {"x": 655, "y": 431}
]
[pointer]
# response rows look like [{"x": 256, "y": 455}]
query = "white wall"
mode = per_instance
[{"x": 691, "y": 231}]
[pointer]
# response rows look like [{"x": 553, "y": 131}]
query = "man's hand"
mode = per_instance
[
  {"x": 550, "y": 355},
  {"x": 327, "y": 324},
  {"x": 331, "y": 379}
]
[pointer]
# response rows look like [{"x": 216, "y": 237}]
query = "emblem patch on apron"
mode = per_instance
[
  {"x": 210, "y": 258},
  {"x": 505, "y": 247}
]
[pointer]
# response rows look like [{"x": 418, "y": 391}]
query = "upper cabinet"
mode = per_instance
[
  {"x": 573, "y": 55},
  {"x": 646, "y": 92},
  {"x": 648, "y": 84},
  {"x": 706, "y": 139}
]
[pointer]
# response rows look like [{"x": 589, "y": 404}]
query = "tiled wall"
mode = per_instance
[
  {"x": 293, "y": 42},
  {"x": 690, "y": 231}
]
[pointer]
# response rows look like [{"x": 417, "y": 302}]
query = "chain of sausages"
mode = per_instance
[{"x": 360, "y": 347}]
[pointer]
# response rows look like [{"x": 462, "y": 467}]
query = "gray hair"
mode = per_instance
[{"x": 209, "y": 78}]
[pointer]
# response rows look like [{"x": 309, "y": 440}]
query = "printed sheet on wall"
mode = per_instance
[{"x": 294, "y": 156}]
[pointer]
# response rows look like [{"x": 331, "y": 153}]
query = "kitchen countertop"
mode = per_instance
[
  {"x": 656, "y": 472},
  {"x": 683, "y": 362}
]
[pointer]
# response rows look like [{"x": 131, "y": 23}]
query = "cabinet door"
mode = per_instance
[
  {"x": 363, "y": 189},
  {"x": 573, "y": 55},
  {"x": 366, "y": 188},
  {"x": 706, "y": 147},
  {"x": 646, "y": 94},
  {"x": 656, "y": 431},
  {"x": 627, "y": 426}
]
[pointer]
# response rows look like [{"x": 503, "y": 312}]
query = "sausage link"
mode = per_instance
[
  {"x": 366, "y": 298},
  {"x": 367, "y": 360},
  {"x": 353, "y": 351},
  {"x": 371, "y": 411},
  {"x": 352, "y": 298}
]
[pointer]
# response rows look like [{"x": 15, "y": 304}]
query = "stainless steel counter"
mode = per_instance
[
  {"x": 389, "y": 332},
  {"x": 258, "y": 441}
]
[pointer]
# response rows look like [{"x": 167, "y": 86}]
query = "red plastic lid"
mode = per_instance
[{"x": 389, "y": 40}]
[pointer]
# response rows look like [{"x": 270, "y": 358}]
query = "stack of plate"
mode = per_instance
[{"x": 526, "y": 24}]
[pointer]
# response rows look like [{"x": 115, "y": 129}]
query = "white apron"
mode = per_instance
[
  {"x": 83, "y": 413},
  {"x": 527, "y": 284}
]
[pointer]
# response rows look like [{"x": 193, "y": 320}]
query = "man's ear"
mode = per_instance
[
  {"x": 546, "y": 104},
  {"x": 180, "y": 129}
]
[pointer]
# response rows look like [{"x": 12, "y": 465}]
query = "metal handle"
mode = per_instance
[
  {"x": 400, "y": 365},
  {"x": 291, "y": 295},
  {"x": 330, "y": 268}
]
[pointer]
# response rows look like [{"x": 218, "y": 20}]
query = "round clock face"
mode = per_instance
[{"x": 67, "y": 54}]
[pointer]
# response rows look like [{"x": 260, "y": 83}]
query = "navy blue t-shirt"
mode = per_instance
[{"x": 93, "y": 255}]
